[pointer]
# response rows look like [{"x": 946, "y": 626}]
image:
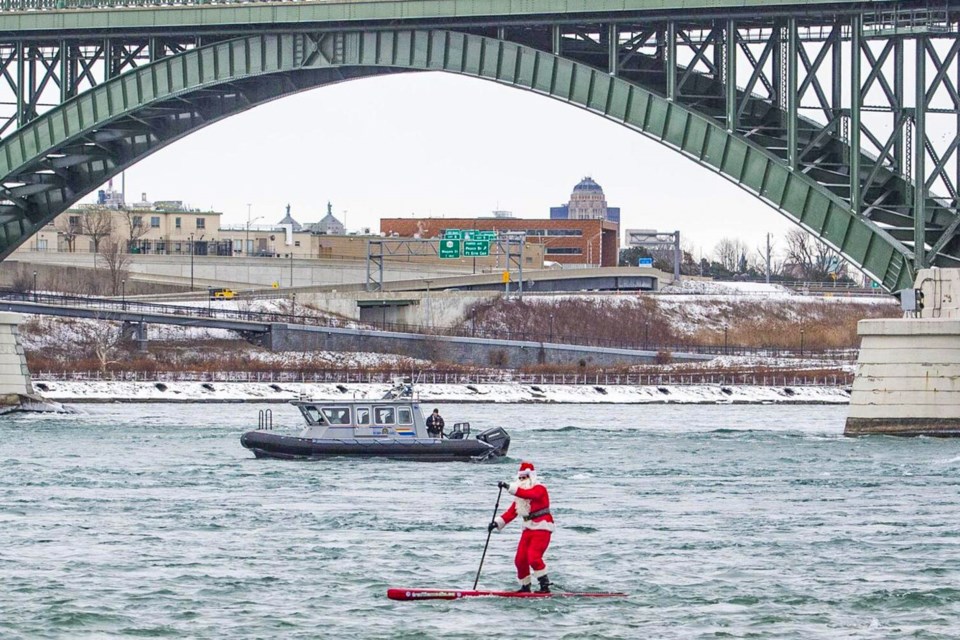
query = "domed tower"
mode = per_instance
[{"x": 587, "y": 202}]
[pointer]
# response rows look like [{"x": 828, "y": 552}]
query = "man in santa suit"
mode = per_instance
[{"x": 532, "y": 505}]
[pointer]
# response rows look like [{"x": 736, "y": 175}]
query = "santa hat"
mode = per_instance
[{"x": 526, "y": 469}]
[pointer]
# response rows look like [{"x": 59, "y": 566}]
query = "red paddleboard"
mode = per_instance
[{"x": 399, "y": 593}]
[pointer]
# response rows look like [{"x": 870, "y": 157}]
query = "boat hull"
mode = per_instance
[{"x": 284, "y": 447}]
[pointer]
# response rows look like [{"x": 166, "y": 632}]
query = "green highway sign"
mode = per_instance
[
  {"x": 476, "y": 248},
  {"x": 449, "y": 248},
  {"x": 453, "y": 234},
  {"x": 474, "y": 234}
]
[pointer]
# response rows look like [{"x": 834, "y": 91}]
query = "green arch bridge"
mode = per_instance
[{"x": 843, "y": 116}]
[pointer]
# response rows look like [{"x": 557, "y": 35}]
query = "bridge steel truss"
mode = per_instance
[{"x": 845, "y": 120}]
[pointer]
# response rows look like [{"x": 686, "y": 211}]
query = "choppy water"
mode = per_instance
[{"x": 721, "y": 521}]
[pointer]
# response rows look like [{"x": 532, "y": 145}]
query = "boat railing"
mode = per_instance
[
  {"x": 265, "y": 420},
  {"x": 461, "y": 431}
]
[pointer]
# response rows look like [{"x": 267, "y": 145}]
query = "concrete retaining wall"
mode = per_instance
[
  {"x": 908, "y": 378},
  {"x": 14, "y": 376}
]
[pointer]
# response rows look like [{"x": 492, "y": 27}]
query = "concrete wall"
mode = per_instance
[
  {"x": 908, "y": 378},
  {"x": 14, "y": 376},
  {"x": 473, "y": 351},
  {"x": 242, "y": 273}
]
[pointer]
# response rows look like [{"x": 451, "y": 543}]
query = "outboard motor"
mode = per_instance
[{"x": 497, "y": 438}]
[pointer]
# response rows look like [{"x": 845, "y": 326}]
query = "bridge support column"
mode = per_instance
[
  {"x": 908, "y": 373},
  {"x": 14, "y": 376}
]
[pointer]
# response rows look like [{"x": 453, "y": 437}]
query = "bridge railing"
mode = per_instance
[
  {"x": 65, "y": 5},
  {"x": 215, "y": 312},
  {"x": 340, "y": 376}
]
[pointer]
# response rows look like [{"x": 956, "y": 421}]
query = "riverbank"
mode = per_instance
[{"x": 504, "y": 393}]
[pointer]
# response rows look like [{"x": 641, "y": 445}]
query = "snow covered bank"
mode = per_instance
[{"x": 94, "y": 391}]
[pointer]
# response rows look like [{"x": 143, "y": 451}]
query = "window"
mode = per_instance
[
  {"x": 154, "y": 222},
  {"x": 568, "y": 251},
  {"x": 384, "y": 415},
  {"x": 297, "y": 243},
  {"x": 201, "y": 223},
  {"x": 237, "y": 246},
  {"x": 337, "y": 415},
  {"x": 161, "y": 246},
  {"x": 363, "y": 416},
  {"x": 565, "y": 232},
  {"x": 179, "y": 222},
  {"x": 177, "y": 247},
  {"x": 136, "y": 221},
  {"x": 41, "y": 245},
  {"x": 312, "y": 414},
  {"x": 404, "y": 415},
  {"x": 249, "y": 247}
]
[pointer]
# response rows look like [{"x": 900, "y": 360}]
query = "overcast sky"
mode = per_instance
[{"x": 441, "y": 145}]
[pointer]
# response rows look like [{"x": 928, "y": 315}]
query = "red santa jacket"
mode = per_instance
[{"x": 535, "y": 500}]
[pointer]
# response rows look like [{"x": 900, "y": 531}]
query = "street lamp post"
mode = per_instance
[
  {"x": 801, "y": 343},
  {"x": 34, "y": 286},
  {"x": 123, "y": 294},
  {"x": 246, "y": 249},
  {"x": 191, "y": 262},
  {"x": 291, "y": 267}
]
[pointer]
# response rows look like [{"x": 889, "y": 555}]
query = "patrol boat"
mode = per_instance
[{"x": 392, "y": 427}]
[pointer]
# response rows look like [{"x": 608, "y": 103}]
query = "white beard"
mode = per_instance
[{"x": 523, "y": 505}]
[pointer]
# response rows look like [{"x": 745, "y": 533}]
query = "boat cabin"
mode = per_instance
[{"x": 363, "y": 418}]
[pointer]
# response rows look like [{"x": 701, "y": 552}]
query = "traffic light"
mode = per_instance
[{"x": 919, "y": 305}]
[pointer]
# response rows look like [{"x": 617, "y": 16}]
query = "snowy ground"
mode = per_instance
[{"x": 98, "y": 391}]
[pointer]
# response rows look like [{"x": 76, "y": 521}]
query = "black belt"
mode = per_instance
[{"x": 537, "y": 514}]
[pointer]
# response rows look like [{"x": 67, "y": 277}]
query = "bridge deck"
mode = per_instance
[{"x": 28, "y": 17}]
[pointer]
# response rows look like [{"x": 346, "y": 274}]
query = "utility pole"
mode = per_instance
[
  {"x": 246, "y": 247},
  {"x": 768, "y": 258}
]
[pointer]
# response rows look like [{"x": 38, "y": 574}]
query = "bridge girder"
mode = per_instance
[{"x": 817, "y": 175}]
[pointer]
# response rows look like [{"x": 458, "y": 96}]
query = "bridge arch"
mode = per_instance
[{"x": 52, "y": 162}]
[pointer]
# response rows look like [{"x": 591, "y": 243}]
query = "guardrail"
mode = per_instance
[{"x": 212, "y": 311}]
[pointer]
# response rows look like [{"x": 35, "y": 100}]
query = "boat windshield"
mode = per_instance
[
  {"x": 313, "y": 415},
  {"x": 337, "y": 415},
  {"x": 404, "y": 415}
]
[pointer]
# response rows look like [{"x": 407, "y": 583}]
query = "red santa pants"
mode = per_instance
[{"x": 530, "y": 552}]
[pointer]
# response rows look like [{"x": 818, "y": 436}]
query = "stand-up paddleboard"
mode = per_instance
[{"x": 455, "y": 594}]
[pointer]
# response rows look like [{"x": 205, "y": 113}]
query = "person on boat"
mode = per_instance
[
  {"x": 435, "y": 424},
  {"x": 532, "y": 504}
]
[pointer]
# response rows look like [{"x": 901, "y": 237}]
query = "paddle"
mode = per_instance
[{"x": 496, "y": 508}]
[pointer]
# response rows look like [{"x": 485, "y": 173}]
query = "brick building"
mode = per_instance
[{"x": 584, "y": 242}]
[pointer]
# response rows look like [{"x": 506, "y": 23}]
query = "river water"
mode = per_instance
[{"x": 720, "y": 521}]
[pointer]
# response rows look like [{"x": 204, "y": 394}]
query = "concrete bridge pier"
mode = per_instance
[
  {"x": 908, "y": 375},
  {"x": 135, "y": 331},
  {"x": 15, "y": 386}
]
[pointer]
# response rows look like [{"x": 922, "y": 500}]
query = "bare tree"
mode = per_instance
[
  {"x": 117, "y": 262},
  {"x": 98, "y": 224},
  {"x": 99, "y": 338},
  {"x": 729, "y": 252},
  {"x": 810, "y": 258},
  {"x": 135, "y": 227},
  {"x": 69, "y": 227}
]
